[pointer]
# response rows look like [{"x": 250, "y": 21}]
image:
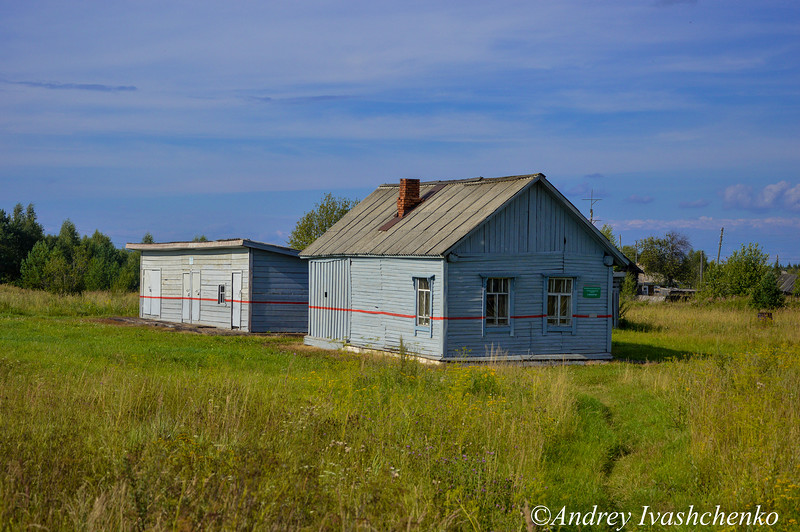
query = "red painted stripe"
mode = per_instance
[
  {"x": 227, "y": 300},
  {"x": 442, "y": 318},
  {"x": 364, "y": 311}
]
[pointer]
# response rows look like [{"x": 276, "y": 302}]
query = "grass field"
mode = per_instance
[{"x": 104, "y": 426}]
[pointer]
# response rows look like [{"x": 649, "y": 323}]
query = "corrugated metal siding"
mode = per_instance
[
  {"x": 465, "y": 299},
  {"x": 383, "y": 299},
  {"x": 215, "y": 267},
  {"x": 280, "y": 293},
  {"x": 329, "y": 289}
]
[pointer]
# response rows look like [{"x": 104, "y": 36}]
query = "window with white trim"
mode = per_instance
[
  {"x": 559, "y": 301},
  {"x": 423, "y": 305},
  {"x": 498, "y": 301},
  {"x": 221, "y": 295}
]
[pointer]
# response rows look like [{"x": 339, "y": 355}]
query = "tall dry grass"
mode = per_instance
[
  {"x": 138, "y": 429},
  {"x": 24, "y": 302}
]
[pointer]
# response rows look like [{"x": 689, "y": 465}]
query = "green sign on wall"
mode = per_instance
[{"x": 591, "y": 291}]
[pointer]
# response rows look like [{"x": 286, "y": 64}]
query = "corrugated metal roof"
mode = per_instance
[
  {"x": 786, "y": 282},
  {"x": 213, "y": 244},
  {"x": 433, "y": 228},
  {"x": 430, "y": 229}
]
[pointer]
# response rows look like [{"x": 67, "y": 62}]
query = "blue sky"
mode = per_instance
[{"x": 231, "y": 119}]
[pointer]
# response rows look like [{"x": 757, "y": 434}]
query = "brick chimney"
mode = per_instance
[{"x": 409, "y": 196}]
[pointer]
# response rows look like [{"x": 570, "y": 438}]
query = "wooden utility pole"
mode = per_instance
[
  {"x": 702, "y": 260},
  {"x": 720, "y": 243}
]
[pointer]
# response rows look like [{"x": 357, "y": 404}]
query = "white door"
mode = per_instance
[
  {"x": 236, "y": 300},
  {"x": 155, "y": 292},
  {"x": 147, "y": 293},
  {"x": 195, "y": 296},
  {"x": 186, "y": 298},
  {"x": 151, "y": 293}
]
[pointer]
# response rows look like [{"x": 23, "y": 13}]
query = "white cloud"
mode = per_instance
[
  {"x": 707, "y": 223},
  {"x": 773, "y": 196}
]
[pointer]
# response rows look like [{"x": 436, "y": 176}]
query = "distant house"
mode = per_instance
[
  {"x": 474, "y": 269},
  {"x": 786, "y": 283},
  {"x": 234, "y": 284},
  {"x": 646, "y": 285}
]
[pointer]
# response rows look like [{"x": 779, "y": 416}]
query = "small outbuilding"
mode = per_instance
[
  {"x": 476, "y": 269},
  {"x": 234, "y": 284},
  {"x": 787, "y": 282}
]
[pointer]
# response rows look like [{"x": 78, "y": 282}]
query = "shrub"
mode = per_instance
[
  {"x": 766, "y": 294},
  {"x": 745, "y": 268}
]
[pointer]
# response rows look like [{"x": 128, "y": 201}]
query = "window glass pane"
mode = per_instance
[
  {"x": 498, "y": 300},
  {"x": 423, "y": 310},
  {"x": 551, "y": 285},
  {"x": 568, "y": 286},
  {"x": 551, "y": 305},
  {"x": 491, "y": 306},
  {"x": 565, "y": 306},
  {"x": 502, "y": 306}
]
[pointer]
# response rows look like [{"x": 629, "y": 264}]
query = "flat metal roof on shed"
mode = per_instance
[{"x": 214, "y": 244}]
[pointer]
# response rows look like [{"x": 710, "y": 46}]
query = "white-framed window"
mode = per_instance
[
  {"x": 559, "y": 301},
  {"x": 498, "y": 301},
  {"x": 221, "y": 295},
  {"x": 423, "y": 302}
]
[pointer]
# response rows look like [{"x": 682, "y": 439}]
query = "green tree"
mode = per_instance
[
  {"x": 197, "y": 238},
  {"x": 32, "y": 269},
  {"x": 766, "y": 294},
  {"x": 608, "y": 232},
  {"x": 318, "y": 220},
  {"x": 698, "y": 266},
  {"x": 715, "y": 284},
  {"x": 18, "y": 234},
  {"x": 148, "y": 238},
  {"x": 667, "y": 257},
  {"x": 745, "y": 268},
  {"x": 104, "y": 261}
]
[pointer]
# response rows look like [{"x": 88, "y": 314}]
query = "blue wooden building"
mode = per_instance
[
  {"x": 233, "y": 284},
  {"x": 476, "y": 269}
]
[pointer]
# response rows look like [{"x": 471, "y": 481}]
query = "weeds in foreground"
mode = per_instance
[{"x": 137, "y": 429}]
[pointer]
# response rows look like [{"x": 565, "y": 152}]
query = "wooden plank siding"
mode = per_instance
[
  {"x": 466, "y": 336},
  {"x": 384, "y": 305},
  {"x": 534, "y": 221},
  {"x": 215, "y": 267},
  {"x": 533, "y": 237},
  {"x": 280, "y": 293}
]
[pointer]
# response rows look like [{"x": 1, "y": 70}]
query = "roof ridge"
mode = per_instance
[{"x": 469, "y": 180}]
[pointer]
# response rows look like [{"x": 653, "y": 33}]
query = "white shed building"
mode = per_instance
[{"x": 233, "y": 284}]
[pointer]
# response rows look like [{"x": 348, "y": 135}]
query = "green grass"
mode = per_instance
[{"x": 133, "y": 428}]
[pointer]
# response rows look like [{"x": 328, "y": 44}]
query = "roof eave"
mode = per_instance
[{"x": 214, "y": 244}]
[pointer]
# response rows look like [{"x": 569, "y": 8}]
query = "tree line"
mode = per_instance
[
  {"x": 672, "y": 261},
  {"x": 65, "y": 263}
]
